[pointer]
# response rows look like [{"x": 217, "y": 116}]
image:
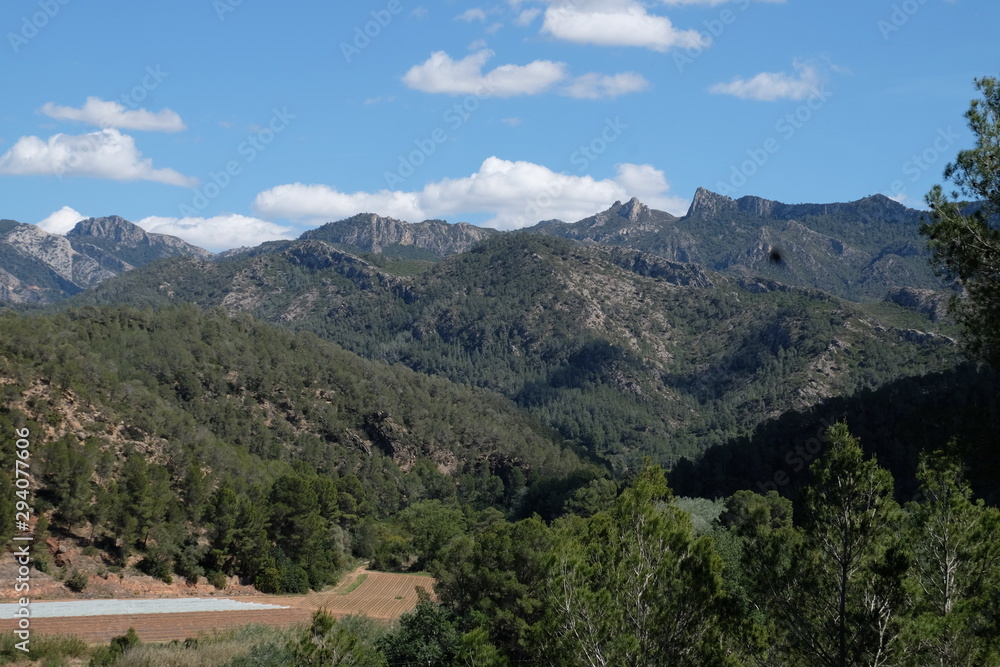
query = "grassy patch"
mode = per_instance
[
  {"x": 246, "y": 646},
  {"x": 354, "y": 584},
  {"x": 54, "y": 649}
]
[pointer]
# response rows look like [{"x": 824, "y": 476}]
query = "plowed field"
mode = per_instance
[{"x": 381, "y": 595}]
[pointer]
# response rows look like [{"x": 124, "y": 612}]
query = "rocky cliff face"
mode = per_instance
[
  {"x": 614, "y": 226},
  {"x": 875, "y": 207},
  {"x": 858, "y": 250},
  {"x": 932, "y": 303},
  {"x": 113, "y": 240},
  {"x": 373, "y": 233},
  {"x": 39, "y": 267}
]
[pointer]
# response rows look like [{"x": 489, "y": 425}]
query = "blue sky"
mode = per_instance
[{"x": 231, "y": 122}]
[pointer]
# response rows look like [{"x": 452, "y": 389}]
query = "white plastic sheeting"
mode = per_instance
[{"x": 127, "y": 607}]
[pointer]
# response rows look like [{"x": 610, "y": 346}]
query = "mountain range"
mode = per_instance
[
  {"x": 863, "y": 250},
  {"x": 631, "y": 332},
  {"x": 39, "y": 267}
]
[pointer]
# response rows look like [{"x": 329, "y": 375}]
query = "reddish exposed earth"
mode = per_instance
[{"x": 381, "y": 595}]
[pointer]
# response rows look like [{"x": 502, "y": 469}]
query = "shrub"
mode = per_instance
[
  {"x": 76, "y": 581},
  {"x": 217, "y": 579},
  {"x": 106, "y": 656},
  {"x": 156, "y": 566}
]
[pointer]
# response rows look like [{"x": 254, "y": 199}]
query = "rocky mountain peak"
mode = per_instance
[
  {"x": 706, "y": 202},
  {"x": 113, "y": 228},
  {"x": 757, "y": 206},
  {"x": 633, "y": 209},
  {"x": 373, "y": 233}
]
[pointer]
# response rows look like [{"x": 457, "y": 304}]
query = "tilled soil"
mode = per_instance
[{"x": 382, "y": 595}]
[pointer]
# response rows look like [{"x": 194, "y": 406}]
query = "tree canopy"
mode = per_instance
[{"x": 963, "y": 233}]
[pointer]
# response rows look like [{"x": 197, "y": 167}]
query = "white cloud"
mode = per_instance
[
  {"x": 594, "y": 86},
  {"x": 473, "y": 14},
  {"x": 771, "y": 86},
  {"x": 104, "y": 154},
  {"x": 220, "y": 232},
  {"x": 61, "y": 221},
  {"x": 527, "y": 16},
  {"x": 650, "y": 186},
  {"x": 712, "y": 3},
  {"x": 616, "y": 23},
  {"x": 441, "y": 74},
  {"x": 513, "y": 121},
  {"x": 113, "y": 114},
  {"x": 515, "y": 194},
  {"x": 322, "y": 203}
]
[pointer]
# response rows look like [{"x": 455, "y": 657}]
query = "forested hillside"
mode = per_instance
[
  {"x": 209, "y": 444},
  {"x": 624, "y": 353}
]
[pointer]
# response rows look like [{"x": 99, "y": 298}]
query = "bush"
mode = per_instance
[
  {"x": 294, "y": 580},
  {"x": 217, "y": 579},
  {"x": 53, "y": 648},
  {"x": 108, "y": 655},
  {"x": 156, "y": 566},
  {"x": 76, "y": 581},
  {"x": 41, "y": 564},
  {"x": 268, "y": 580}
]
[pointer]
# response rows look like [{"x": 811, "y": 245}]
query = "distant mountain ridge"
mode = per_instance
[
  {"x": 373, "y": 233},
  {"x": 863, "y": 250},
  {"x": 860, "y": 250},
  {"x": 39, "y": 267}
]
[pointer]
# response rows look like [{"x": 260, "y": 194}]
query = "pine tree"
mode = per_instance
[
  {"x": 633, "y": 587},
  {"x": 834, "y": 586},
  {"x": 966, "y": 244},
  {"x": 956, "y": 573}
]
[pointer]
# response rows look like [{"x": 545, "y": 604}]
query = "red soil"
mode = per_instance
[{"x": 383, "y": 596}]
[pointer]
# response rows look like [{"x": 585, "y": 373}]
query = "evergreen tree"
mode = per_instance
[
  {"x": 834, "y": 586},
  {"x": 956, "y": 573},
  {"x": 425, "y": 636},
  {"x": 634, "y": 587},
  {"x": 966, "y": 244}
]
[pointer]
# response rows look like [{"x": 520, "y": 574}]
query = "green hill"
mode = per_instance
[{"x": 625, "y": 353}]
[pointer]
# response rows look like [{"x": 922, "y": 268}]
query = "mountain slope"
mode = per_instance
[
  {"x": 39, "y": 267},
  {"x": 622, "y": 351},
  {"x": 859, "y": 250},
  {"x": 430, "y": 239},
  {"x": 181, "y": 382}
]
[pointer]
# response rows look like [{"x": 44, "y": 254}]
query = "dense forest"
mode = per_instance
[
  {"x": 211, "y": 444},
  {"x": 623, "y": 353}
]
